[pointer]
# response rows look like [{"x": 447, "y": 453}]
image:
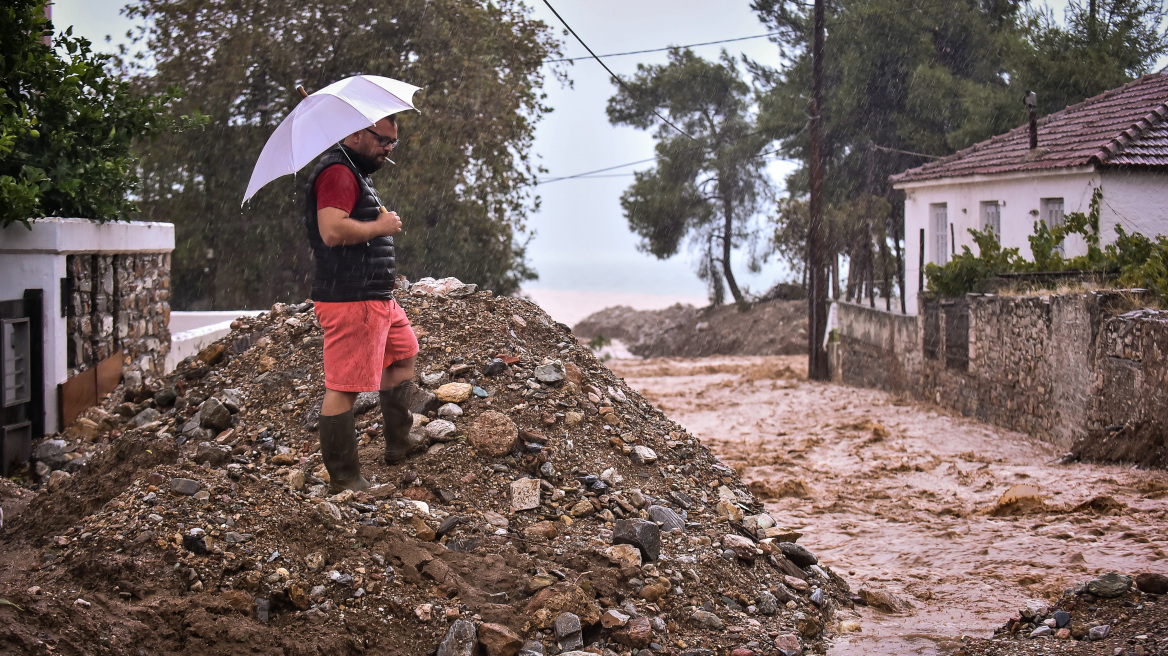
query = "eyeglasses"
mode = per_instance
[{"x": 382, "y": 140}]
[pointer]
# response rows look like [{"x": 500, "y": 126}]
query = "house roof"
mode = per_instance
[{"x": 1120, "y": 127}]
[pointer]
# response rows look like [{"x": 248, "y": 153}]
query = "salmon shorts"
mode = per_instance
[{"x": 361, "y": 338}]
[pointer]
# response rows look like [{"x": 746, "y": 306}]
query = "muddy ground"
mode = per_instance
[{"x": 914, "y": 501}]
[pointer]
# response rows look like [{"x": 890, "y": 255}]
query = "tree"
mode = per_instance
[
  {"x": 1105, "y": 43},
  {"x": 67, "y": 124},
  {"x": 708, "y": 183},
  {"x": 463, "y": 178}
]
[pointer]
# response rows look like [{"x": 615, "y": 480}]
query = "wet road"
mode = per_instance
[{"x": 964, "y": 521}]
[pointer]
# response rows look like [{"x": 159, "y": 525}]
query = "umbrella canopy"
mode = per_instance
[{"x": 324, "y": 118}]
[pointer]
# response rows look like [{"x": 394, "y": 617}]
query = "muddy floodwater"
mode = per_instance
[{"x": 962, "y": 521}]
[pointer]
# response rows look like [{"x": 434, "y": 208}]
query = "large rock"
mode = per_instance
[
  {"x": 145, "y": 417},
  {"x": 1109, "y": 585},
  {"x": 1152, "y": 583},
  {"x": 668, "y": 519},
  {"x": 568, "y": 631},
  {"x": 550, "y": 373},
  {"x": 51, "y": 452},
  {"x": 498, "y": 640},
  {"x": 212, "y": 454},
  {"x": 641, "y": 533},
  {"x": 637, "y": 633},
  {"x": 797, "y": 554},
  {"x": 460, "y": 640},
  {"x": 524, "y": 494},
  {"x": 493, "y": 434},
  {"x": 214, "y": 415},
  {"x": 563, "y": 597},
  {"x": 441, "y": 430},
  {"x": 454, "y": 392}
]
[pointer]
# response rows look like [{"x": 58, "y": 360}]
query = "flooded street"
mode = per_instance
[{"x": 959, "y": 521}]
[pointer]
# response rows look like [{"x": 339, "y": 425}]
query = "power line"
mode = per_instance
[
  {"x": 609, "y": 168},
  {"x": 614, "y": 76},
  {"x": 641, "y": 52}
]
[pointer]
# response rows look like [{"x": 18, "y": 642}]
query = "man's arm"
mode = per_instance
[{"x": 337, "y": 228}]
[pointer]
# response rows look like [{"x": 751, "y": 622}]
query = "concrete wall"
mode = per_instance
[
  {"x": 1134, "y": 199},
  {"x": 190, "y": 332},
  {"x": 38, "y": 259},
  {"x": 1059, "y": 367}
]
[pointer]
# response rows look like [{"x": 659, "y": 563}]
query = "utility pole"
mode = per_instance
[{"x": 817, "y": 275}]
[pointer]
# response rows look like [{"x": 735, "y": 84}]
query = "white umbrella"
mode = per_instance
[{"x": 324, "y": 118}]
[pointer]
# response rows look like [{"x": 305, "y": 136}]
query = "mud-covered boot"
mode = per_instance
[
  {"x": 398, "y": 420},
  {"x": 338, "y": 448}
]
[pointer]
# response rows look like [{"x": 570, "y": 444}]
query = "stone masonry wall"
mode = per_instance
[
  {"x": 1058, "y": 367},
  {"x": 1127, "y": 418},
  {"x": 880, "y": 349},
  {"x": 119, "y": 302}
]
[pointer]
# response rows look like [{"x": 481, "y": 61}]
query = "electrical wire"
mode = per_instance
[
  {"x": 614, "y": 76},
  {"x": 642, "y": 52}
]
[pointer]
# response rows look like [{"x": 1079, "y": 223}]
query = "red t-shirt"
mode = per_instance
[{"x": 336, "y": 186}]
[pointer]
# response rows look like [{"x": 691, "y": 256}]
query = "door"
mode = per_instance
[
  {"x": 939, "y": 222},
  {"x": 22, "y": 415}
]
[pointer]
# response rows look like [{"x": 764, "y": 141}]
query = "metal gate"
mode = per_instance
[{"x": 22, "y": 377}]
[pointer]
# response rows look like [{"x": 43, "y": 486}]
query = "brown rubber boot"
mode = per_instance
[
  {"x": 338, "y": 448},
  {"x": 398, "y": 421}
]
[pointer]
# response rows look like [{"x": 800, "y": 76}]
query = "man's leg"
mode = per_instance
[
  {"x": 346, "y": 360},
  {"x": 398, "y": 372}
]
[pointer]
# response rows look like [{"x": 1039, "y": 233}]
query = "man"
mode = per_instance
[{"x": 368, "y": 342}]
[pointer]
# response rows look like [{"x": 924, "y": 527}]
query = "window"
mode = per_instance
[
  {"x": 939, "y": 223},
  {"x": 991, "y": 218},
  {"x": 1051, "y": 213}
]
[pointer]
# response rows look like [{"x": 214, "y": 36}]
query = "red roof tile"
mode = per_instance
[{"x": 1120, "y": 127}]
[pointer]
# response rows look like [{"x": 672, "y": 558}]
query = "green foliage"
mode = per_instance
[
  {"x": 1139, "y": 261},
  {"x": 598, "y": 342},
  {"x": 966, "y": 272},
  {"x": 67, "y": 124},
  {"x": 707, "y": 188},
  {"x": 1104, "y": 44},
  {"x": 463, "y": 180}
]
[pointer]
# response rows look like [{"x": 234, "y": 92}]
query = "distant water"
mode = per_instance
[{"x": 570, "y": 306}]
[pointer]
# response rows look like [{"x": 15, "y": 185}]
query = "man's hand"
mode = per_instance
[
  {"x": 337, "y": 228},
  {"x": 391, "y": 221}
]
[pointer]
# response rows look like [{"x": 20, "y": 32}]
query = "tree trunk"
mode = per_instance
[{"x": 727, "y": 227}]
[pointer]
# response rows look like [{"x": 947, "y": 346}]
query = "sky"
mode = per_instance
[{"x": 581, "y": 239}]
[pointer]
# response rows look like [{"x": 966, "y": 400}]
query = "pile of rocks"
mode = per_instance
[
  {"x": 552, "y": 510},
  {"x": 1120, "y": 613}
]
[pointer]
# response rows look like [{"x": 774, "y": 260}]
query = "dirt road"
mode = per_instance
[{"x": 908, "y": 499}]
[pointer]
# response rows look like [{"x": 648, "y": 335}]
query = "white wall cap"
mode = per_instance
[{"x": 64, "y": 236}]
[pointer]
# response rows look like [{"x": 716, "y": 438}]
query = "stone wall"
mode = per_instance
[
  {"x": 1059, "y": 367},
  {"x": 881, "y": 349},
  {"x": 1127, "y": 418},
  {"x": 118, "y": 302}
]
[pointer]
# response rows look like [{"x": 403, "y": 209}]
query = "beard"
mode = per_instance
[{"x": 366, "y": 164}]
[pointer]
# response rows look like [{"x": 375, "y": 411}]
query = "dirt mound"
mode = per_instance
[
  {"x": 192, "y": 515},
  {"x": 1143, "y": 443},
  {"x": 776, "y": 327}
]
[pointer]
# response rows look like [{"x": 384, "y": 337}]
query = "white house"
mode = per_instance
[{"x": 1116, "y": 141}]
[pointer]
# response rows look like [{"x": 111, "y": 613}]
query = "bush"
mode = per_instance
[{"x": 67, "y": 124}]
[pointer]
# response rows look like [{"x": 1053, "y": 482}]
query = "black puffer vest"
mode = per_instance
[{"x": 359, "y": 272}]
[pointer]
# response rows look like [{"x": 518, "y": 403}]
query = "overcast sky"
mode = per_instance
[{"x": 582, "y": 241}]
